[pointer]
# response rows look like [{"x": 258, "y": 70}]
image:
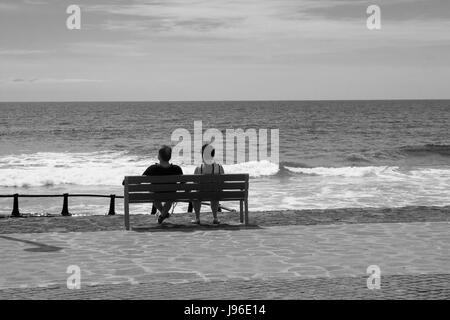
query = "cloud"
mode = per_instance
[
  {"x": 200, "y": 16},
  {"x": 145, "y": 43},
  {"x": 8, "y": 7},
  {"x": 122, "y": 49},
  {"x": 270, "y": 20},
  {"x": 50, "y": 80},
  {"x": 19, "y": 80},
  {"x": 36, "y": 2},
  {"x": 395, "y": 11},
  {"x": 20, "y": 52},
  {"x": 18, "y": 5}
]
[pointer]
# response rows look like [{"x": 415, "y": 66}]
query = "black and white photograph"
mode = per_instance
[{"x": 234, "y": 152}]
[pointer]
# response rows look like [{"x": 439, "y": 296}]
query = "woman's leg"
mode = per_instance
[
  {"x": 166, "y": 208},
  {"x": 214, "y": 209}
]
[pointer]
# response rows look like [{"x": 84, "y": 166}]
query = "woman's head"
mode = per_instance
[{"x": 208, "y": 153}]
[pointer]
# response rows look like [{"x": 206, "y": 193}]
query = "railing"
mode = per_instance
[{"x": 65, "y": 209}]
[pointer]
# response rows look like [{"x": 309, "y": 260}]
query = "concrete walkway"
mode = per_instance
[{"x": 195, "y": 258}]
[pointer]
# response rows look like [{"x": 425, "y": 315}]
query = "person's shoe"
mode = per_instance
[
  {"x": 195, "y": 221},
  {"x": 216, "y": 221},
  {"x": 161, "y": 218}
]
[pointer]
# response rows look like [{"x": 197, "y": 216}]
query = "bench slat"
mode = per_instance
[
  {"x": 186, "y": 178},
  {"x": 188, "y": 186},
  {"x": 188, "y": 196}
]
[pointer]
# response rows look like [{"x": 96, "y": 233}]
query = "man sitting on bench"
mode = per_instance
[{"x": 163, "y": 168}]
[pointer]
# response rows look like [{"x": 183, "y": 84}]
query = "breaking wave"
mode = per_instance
[
  {"x": 345, "y": 171},
  {"x": 108, "y": 168},
  {"x": 97, "y": 168},
  {"x": 374, "y": 171}
]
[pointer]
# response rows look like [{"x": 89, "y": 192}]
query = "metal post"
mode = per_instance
[
  {"x": 65, "y": 209},
  {"x": 112, "y": 205},
  {"x": 15, "y": 212}
]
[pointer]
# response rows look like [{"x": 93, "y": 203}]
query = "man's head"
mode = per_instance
[{"x": 165, "y": 153}]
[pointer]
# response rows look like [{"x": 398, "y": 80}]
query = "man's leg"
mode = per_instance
[
  {"x": 197, "y": 205},
  {"x": 158, "y": 205},
  {"x": 164, "y": 209}
]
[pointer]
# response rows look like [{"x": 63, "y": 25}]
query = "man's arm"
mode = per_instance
[{"x": 156, "y": 205}]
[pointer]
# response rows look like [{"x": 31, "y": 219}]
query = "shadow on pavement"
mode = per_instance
[
  {"x": 192, "y": 227},
  {"x": 40, "y": 247}
]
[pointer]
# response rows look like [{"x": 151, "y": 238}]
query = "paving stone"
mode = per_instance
[
  {"x": 297, "y": 261},
  {"x": 398, "y": 287}
]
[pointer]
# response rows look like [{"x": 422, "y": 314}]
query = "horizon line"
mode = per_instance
[{"x": 231, "y": 100}]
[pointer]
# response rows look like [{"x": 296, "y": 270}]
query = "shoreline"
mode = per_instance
[{"x": 258, "y": 219}]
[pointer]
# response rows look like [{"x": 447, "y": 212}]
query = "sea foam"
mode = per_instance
[
  {"x": 346, "y": 171},
  {"x": 95, "y": 168},
  {"x": 107, "y": 168}
]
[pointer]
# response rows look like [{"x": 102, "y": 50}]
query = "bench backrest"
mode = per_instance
[{"x": 141, "y": 189}]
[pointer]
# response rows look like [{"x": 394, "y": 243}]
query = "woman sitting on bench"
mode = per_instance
[{"x": 209, "y": 167}]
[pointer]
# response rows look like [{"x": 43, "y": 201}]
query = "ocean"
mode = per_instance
[{"x": 332, "y": 154}]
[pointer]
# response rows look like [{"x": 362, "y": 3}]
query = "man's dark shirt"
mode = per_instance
[{"x": 158, "y": 170}]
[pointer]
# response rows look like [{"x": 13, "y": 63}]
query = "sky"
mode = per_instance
[{"x": 143, "y": 50}]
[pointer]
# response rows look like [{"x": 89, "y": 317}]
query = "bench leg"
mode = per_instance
[
  {"x": 127, "y": 214},
  {"x": 246, "y": 212},
  {"x": 241, "y": 211}
]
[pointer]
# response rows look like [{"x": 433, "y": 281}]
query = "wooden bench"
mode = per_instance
[{"x": 184, "y": 188}]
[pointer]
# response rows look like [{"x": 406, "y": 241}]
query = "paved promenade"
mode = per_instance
[{"x": 299, "y": 262}]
